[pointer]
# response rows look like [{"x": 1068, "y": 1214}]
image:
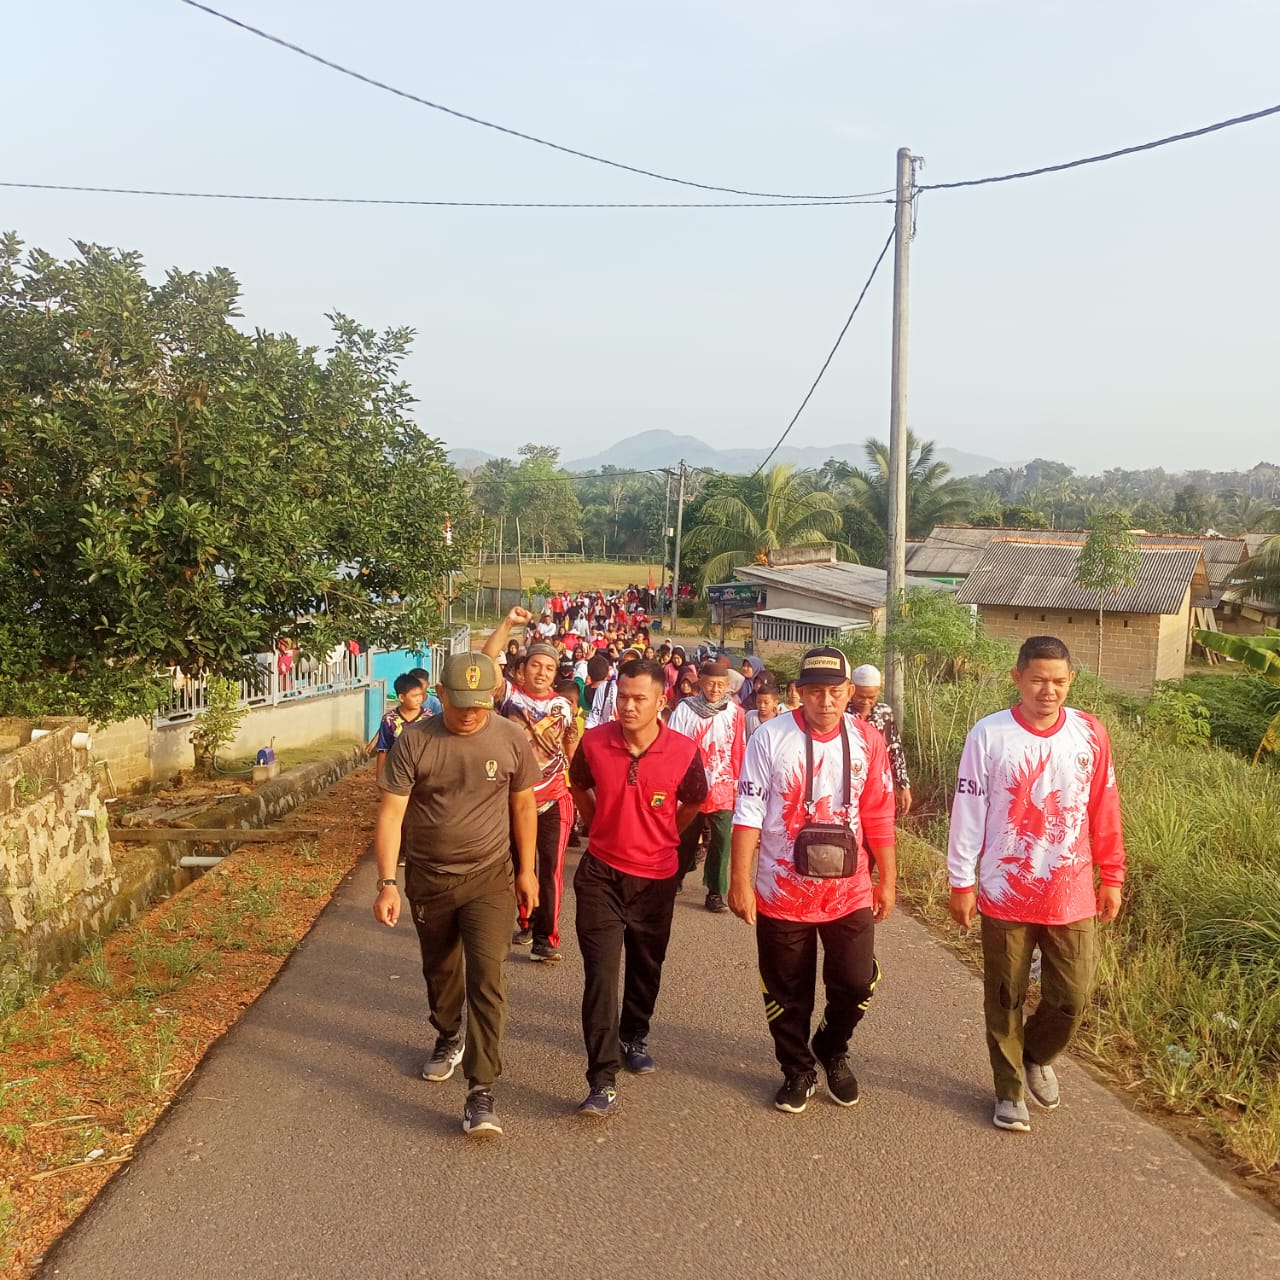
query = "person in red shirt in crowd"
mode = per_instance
[
  {"x": 1035, "y": 812},
  {"x": 637, "y": 784},
  {"x": 550, "y": 723}
]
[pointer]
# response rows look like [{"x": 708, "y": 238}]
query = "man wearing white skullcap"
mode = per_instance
[{"x": 865, "y": 704}]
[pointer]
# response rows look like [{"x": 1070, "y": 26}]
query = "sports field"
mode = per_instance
[{"x": 578, "y": 575}]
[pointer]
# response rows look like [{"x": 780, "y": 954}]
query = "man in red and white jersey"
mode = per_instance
[
  {"x": 550, "y": 723},
  {"x": 815, "y": 794},
  {"x": 1035, "y": 812},
  {"x": 716, "y": 722}
]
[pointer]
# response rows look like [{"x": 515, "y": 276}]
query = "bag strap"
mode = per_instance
[{"x": 808, "y": 767}]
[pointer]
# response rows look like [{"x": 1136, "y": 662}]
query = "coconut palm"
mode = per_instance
[
  {"x": 932, "y": 498},
  {"x": 751, "y": 516},
  {"x": 1259, "y": 576}
]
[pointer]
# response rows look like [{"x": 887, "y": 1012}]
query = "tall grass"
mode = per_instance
[{"x": 1187, "y": 1006}]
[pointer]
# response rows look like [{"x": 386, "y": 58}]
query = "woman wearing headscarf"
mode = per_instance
[
  {"x": 673, "y": 666},
  {"x": 747, "y": 694}
]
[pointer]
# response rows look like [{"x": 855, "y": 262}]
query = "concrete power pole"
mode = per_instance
[
  {"x": 675, "y": 568},
  {"x": 897, "y": 531}
]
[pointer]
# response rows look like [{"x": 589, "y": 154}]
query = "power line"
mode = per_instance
[
  {"x": 828, "y": 360},
  {"x": 1107, "y": 155},
  {"x": 437, "y": 204},
  {"x": 515, "y": 133}
]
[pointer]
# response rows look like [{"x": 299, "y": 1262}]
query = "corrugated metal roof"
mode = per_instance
[
  {"x": 1036, "y": 575},
  {"x": 952, "y": 551},
  {"x": 838, "y": 583},
  {"x": 813, "y": 619}
]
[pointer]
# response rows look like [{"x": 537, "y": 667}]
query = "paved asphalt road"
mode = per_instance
[{"x": 307, "y": 1146}]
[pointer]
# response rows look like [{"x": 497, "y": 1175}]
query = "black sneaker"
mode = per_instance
[
  {"x": 600, "y": 1103},
  {"x": 478, "y": 1115},
  {"x": 636, "y": 1058},
  {"x": 716, "y": 904},
  {"x": 842, "y": 1084},
  {"x": 796, "y": 1091},
  {"x": 522, "y": 938},
  {"x": 444, "y": 1057},
  {"x": 544, "y": 952}
]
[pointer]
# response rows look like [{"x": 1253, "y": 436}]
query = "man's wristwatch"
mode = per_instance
[{"x": 382, "y": 884}]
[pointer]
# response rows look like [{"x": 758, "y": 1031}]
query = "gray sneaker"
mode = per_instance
[
  {"x": 1012, "y": 1115},
  {"x": 478, "y": 1114},
  {"x": 1042, "y": 1084},
  {"x": 446, "y": 1055}
]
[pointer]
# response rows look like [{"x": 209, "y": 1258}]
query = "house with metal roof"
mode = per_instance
[
  {"x": 811, "y": 598},
  {"x": 1023, "y": 589}
]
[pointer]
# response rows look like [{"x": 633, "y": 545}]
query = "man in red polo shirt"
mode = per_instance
[{"x": 637, "y": 785}]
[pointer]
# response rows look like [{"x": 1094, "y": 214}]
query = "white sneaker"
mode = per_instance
[{"x": 1012, "y": 1115}]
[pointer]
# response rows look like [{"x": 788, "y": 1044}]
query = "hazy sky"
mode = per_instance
[{"x": 1118, "y": 315}]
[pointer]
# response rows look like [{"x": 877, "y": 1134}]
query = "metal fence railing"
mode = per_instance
[
  {"x": 304, "y": 678},
  {"x": 458, "y": 641}
]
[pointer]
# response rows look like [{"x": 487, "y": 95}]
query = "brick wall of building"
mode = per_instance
[{"x": 1137, "y": 649}]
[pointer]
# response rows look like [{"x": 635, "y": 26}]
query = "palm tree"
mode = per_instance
[
  {"x": 932, "y": 498},
  {"x": 752, "y": 516},
  {"x": 1259, "y": 576}
]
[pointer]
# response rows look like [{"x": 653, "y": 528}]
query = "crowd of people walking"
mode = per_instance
[{"x": 570, "y": 725}]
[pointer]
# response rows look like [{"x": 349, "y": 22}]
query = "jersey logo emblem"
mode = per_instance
[
  {"x": 491, "y": 769},
  {"x": 473, "y": 677},
  {"x": 659, "y": 799},
  {"x": 1082, "y": 763},
  {"x": 855, "y": 768}
]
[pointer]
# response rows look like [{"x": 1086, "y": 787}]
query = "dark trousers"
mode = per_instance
[
  {"x": 619, "y": 914},
  {"x": 1066, "y": 977},
  {"x": 715, "y": 870},
  {"x": 464, "y": 931},
  {"x": 788, "y": 953},
  {"x": 554, "y": 826}
]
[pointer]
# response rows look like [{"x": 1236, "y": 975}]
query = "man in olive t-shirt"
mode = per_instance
[{"x": 461, "y": 785}]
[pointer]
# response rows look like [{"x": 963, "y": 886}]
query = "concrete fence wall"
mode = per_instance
[{"x": 138, "y": 752}]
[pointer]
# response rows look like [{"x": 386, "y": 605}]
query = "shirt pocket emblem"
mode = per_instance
[
  {"x": 658, "y": 800},
  {"x": 491, "y": 769}
]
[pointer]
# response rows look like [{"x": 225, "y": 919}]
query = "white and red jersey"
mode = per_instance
[
  {"x": 721, "y": 739},
  {"x": 771, "y": 799},
  {"x": 1034, "y": 811},
  {"x": 551, "y": 725}
]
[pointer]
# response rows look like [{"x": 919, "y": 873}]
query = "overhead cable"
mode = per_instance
[
  {"x": 827, "y": 361},
  {"x": 1106, "y": 155},
  {"x": 441, "y": 204},
  {"x": 515, "y": 133}
]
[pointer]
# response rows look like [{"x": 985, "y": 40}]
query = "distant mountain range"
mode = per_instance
[{"x": 651, "y": 449}]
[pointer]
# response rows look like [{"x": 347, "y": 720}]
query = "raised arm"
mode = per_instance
[{"x": 497, "y": 640}]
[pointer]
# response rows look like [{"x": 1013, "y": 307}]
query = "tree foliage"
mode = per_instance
[
  {"x": 745, "y": 518},
  {"x": 1257, "y": 653},
  {"x": 175, "y": 491},
  {"x": 933, "y": 497}
]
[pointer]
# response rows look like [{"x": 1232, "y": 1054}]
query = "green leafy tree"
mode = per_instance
[
  {"x": 1258, "y": 653},
  {"x": 544, "y": 499},
  {"x": 748, "y": 517},
  {"x": 177, "y": 492},
  {"x": 1109, "y": 560}
]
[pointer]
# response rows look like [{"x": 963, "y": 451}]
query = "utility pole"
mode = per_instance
[
  {"x": 666, "y": 526},
  {"x": 502, "y": 529},
  {"x": 675, "y": 569},
  {"x": 897, "y": 566}
]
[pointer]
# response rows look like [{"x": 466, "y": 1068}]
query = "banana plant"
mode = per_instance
[{"x": 1258, "y": 653}]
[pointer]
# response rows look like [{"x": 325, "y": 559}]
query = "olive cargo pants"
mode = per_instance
[{"x": 1066, "y": 978}]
